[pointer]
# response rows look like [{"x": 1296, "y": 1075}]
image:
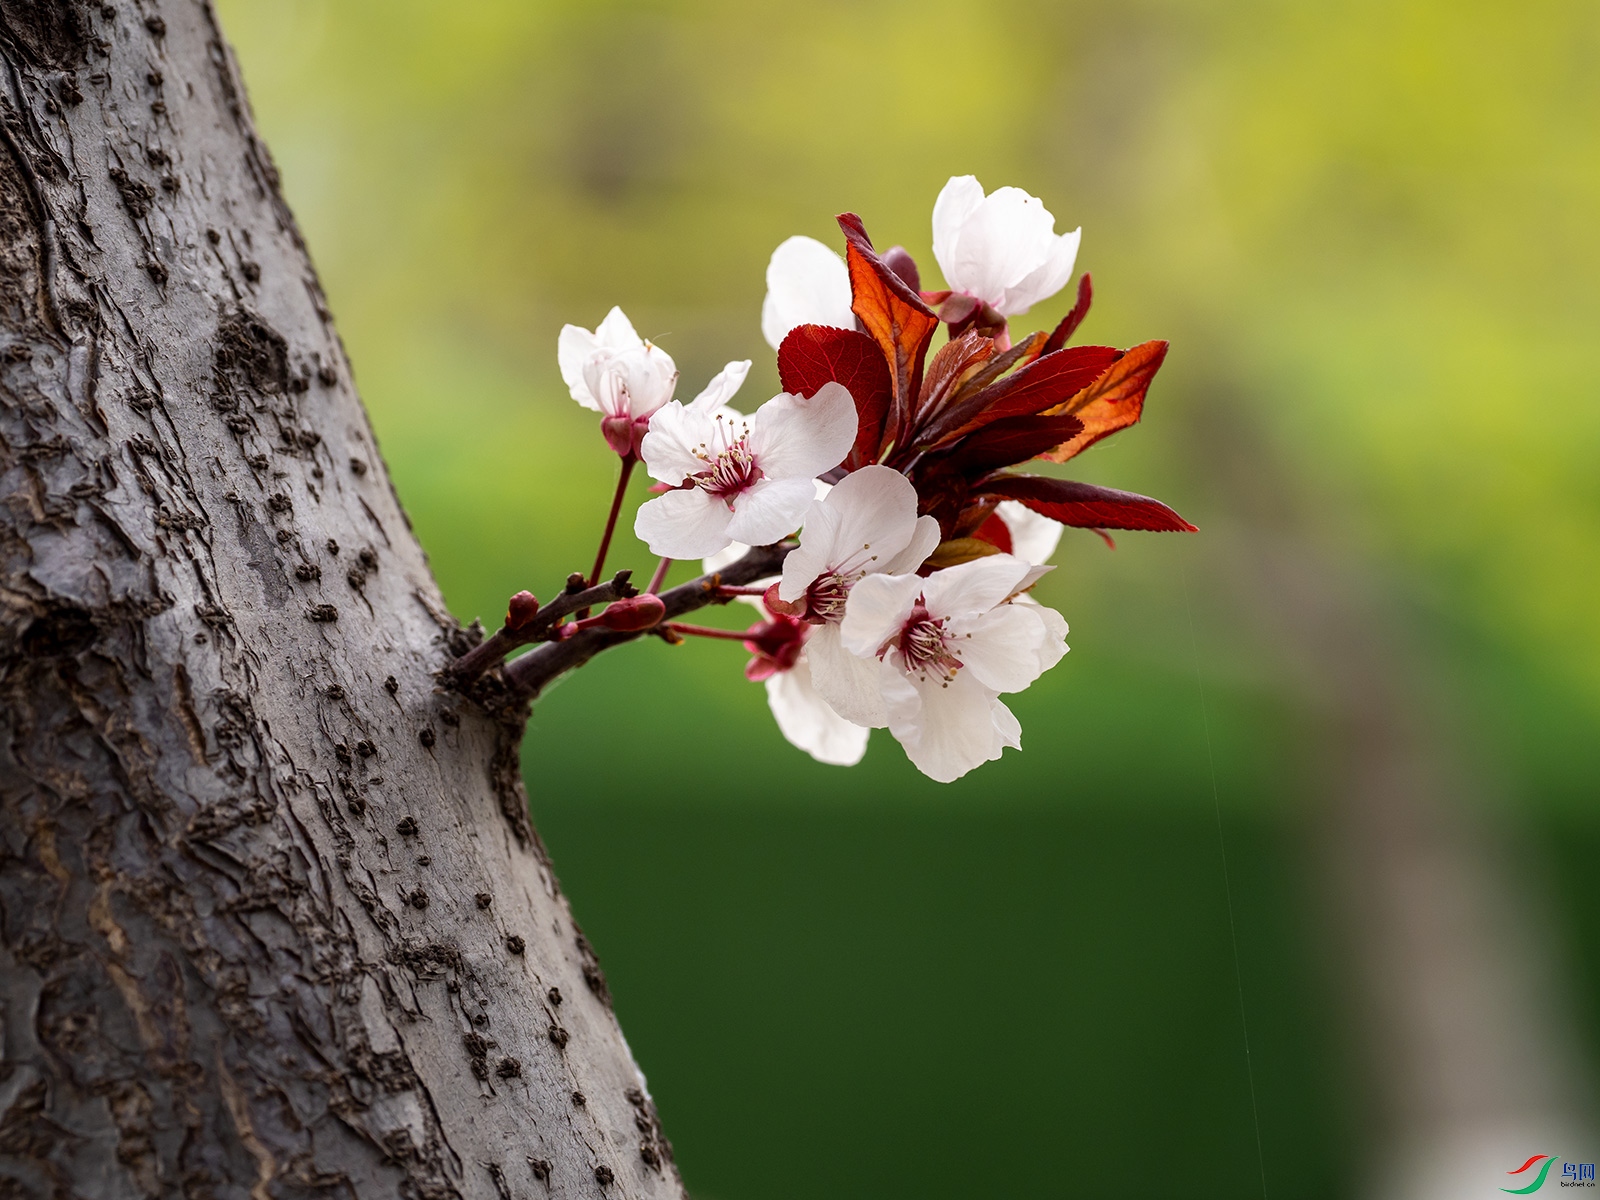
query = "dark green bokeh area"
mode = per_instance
[{"x": 1368, "y": 230}]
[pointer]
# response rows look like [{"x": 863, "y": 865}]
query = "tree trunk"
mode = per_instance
[{"x": 273, "y": 920}]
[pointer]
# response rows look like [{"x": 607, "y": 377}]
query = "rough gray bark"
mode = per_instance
[{"x": 273, "y": 920}]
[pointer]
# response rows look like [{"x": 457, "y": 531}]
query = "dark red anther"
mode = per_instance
[{"x": 524, "y": 606}]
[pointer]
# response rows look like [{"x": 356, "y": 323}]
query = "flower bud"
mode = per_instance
[
  {"x": 524, "y": 606},
  {"x": 776, "y": 645},
  {"x": 619, "y": 434},
  {"x": 634, "y": 613},
  {"x": 899, "y": 260}
]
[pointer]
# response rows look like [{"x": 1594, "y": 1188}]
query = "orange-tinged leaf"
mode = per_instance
[
  {"x": 1112, "y": 402},
  {"x": 895, "y": 317},
  {"x": 1042, "y": 386}
]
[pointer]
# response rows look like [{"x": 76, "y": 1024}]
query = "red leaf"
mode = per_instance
[
  {"x": 812, "y": 355},
  {"x": 1045, "y": 383},
  {"x": 1086, "y": 506},
  {"x": 1112, "y": 402},
  {"x": 1070, "y": 322},
  {"x": 996, "y": 532},
  {"x": 894, "y": 315},
  {"x": 1014, "y": 440}
]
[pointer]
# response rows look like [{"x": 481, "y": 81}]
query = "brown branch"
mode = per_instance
[
  {"x": 530, "y": 674},
  {"x": 484, "y": 655}
]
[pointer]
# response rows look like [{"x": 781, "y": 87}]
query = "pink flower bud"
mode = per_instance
[
  {"x": 776, "y": 645},
  {"x": 633, "y": 614},
  {"x": 524, "y": 606},
  {"x": 619, "y": 434},
  {"x": 898, "y": 259}
]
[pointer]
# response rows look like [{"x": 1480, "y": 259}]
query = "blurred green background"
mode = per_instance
[{"x": 1369, "y": 231}]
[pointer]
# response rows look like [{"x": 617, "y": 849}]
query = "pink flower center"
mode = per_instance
[
  {"x": 731, "y": 472},
  {"x": 924, "y": 647},
  {"x": 825, "y": 599}
]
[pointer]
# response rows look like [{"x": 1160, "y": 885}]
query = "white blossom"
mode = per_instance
[
  {"x": 807, "y": 284},
  {"x": 1001, "y": 249},
  {"x": 738, "y": 479},
  {"x": 807, "y": 721},
  {"x": 947, "y": 646},
  {"x": 867, "y": 525},
  {"x": 613, "y": 370},
  {"x": 616, "y": 373}
]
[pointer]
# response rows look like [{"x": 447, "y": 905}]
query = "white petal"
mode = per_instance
[
  {"x": 818, "y": 537},
  {"x": 878, "y": 510},
  {"x": 1001, "y": 647},
  {"x": 805, "y": 719},
  {"x": 769, "y": 511},
  {"x": 574, "y": 348},
  {"x": 1002, "y": 241},
  {"x": 923, "y": 543},
  {"x": 877, "y": 609},
  {"x": 1053, "y": 646},
  {"x": 1006, "y": 726},
  {"x": 807, "y": 284},
  {"x": 669, "y": 448},
  {"x": 1020, "y": 588},
  {"x": 793, "y": 437},
  {"x": 957, "y": 201},
  {"x": 630, "y": 383},
  {"x": 972, "y": 587},
  {"x": 651, "y": 379},
  {"x": 848, "y": 682},
  {"x": 1045, "y": 280},
  {"x": 686, "y": 524},
  {"x": 616, "y": 332},
  {"x": 1033, "y": 537},
  {"x": 946, "y": 729},
  {"x": 866, "y": 522},
  {"x": 722, "y": 387}
]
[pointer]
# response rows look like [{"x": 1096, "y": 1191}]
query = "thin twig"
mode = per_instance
[
  {"x": 706, "y": 631},
  {"x": 484, "y": 655},
  {"x": 659, "y": 577},
  {"x": 611, "y": 519},
  {"x": 531, "y": 673}
]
